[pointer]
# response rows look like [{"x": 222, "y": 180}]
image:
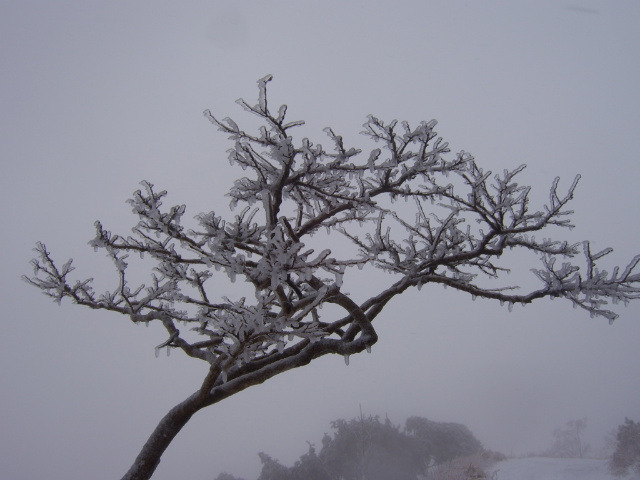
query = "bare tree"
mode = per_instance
[
  {"x": 464, "y": 220},
  {"x": 568, "y": 442}
]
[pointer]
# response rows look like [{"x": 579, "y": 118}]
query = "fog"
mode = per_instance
[{"x": 97, "y": 96}]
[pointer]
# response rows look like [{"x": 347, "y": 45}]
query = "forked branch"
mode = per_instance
[{"x": 456, "y": 229}]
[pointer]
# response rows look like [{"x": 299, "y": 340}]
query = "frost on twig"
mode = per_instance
[{"x": 463, "y": 224}]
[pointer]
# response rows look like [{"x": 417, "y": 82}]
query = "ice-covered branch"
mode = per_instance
[
  {"x": 456, "y": 228},
  {"x": 466, "y": 221}
]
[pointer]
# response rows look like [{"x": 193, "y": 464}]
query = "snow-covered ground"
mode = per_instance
[{"x": 554, "y": 469}]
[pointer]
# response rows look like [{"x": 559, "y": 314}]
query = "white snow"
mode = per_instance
[{"x": 538, "y": 468}]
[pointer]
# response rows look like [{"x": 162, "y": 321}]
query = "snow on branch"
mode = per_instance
[{"x": 456, "y": 229}]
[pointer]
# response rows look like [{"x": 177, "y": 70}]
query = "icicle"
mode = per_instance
[
  {"x": 168, "y": 351},
  {"x": 157, "y": 352},
  {"x": 473, "y": 297},
  {"x": 510, "y": 306},
  {"x": 346, "y": 360},
  {"x": 368, "y": 348}
]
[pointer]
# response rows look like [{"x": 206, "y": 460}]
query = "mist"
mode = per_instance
[{"x": 97, "y": 96}]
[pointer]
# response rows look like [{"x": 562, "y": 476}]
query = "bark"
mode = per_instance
[
  {"x": 149, "y": 457},
  {"x": 214, "y": 390}
]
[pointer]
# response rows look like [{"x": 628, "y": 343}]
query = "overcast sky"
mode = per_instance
[{"x": 96, "y": 96}]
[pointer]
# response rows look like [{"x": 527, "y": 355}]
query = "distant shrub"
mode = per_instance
[
  {"x": 472, "y": 467},
  {"x": 366, "y": 447},
  {"x": 443, "y": 441},
  {"x": 627, "y": 450},
  {"x": 227, "y": 476},
  {"x": 568, "y": 441},
  {"x": 493, "y": 457}
]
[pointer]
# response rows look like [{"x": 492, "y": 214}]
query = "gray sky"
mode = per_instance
[{"x": 96, "y": 96}]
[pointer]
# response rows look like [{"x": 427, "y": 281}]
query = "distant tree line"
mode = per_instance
[
  {"x": 366, "y": 448},
  {"x": 369, "y": 448}
]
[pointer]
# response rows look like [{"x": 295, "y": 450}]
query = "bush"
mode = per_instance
[
  {"x": 443, "y": 441},
  {"x": 367, "y": 447},
  {"x": 627, "y": 452},
  {"x": 472, "y": 467}
]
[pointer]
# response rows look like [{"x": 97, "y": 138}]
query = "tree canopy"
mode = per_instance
[{"x": 455, "y": 229}]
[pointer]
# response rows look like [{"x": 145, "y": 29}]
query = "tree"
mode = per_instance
[
  {"x": 308, "y": 467},
  {"x": 366, "y": 448},
  {"x": 311, "y": 467},
  {"x": 227, "y": 476},
  {"x": 627, "y": 449},
  {"x": 360, "y": 448},
  {"x": 272, "y": 469},
  {"x": 443, "y": 441},
  {"x": 568, "y": 442},
  {"x": 464, "y": 221}
]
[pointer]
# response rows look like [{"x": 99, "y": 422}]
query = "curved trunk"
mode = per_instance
[
  {"x": 149, "y": 457},
  {"x": 301, "y": 354}
]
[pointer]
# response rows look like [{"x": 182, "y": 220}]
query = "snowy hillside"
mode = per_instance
[{"x": 554, "y": 469}]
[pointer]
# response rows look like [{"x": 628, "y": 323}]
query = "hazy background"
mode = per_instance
[{"x": 96, "y": 96}]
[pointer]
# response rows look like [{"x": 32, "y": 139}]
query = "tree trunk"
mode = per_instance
[
  {"x": 149, "y": 457},
  {"x": 301, "y": 354}
]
